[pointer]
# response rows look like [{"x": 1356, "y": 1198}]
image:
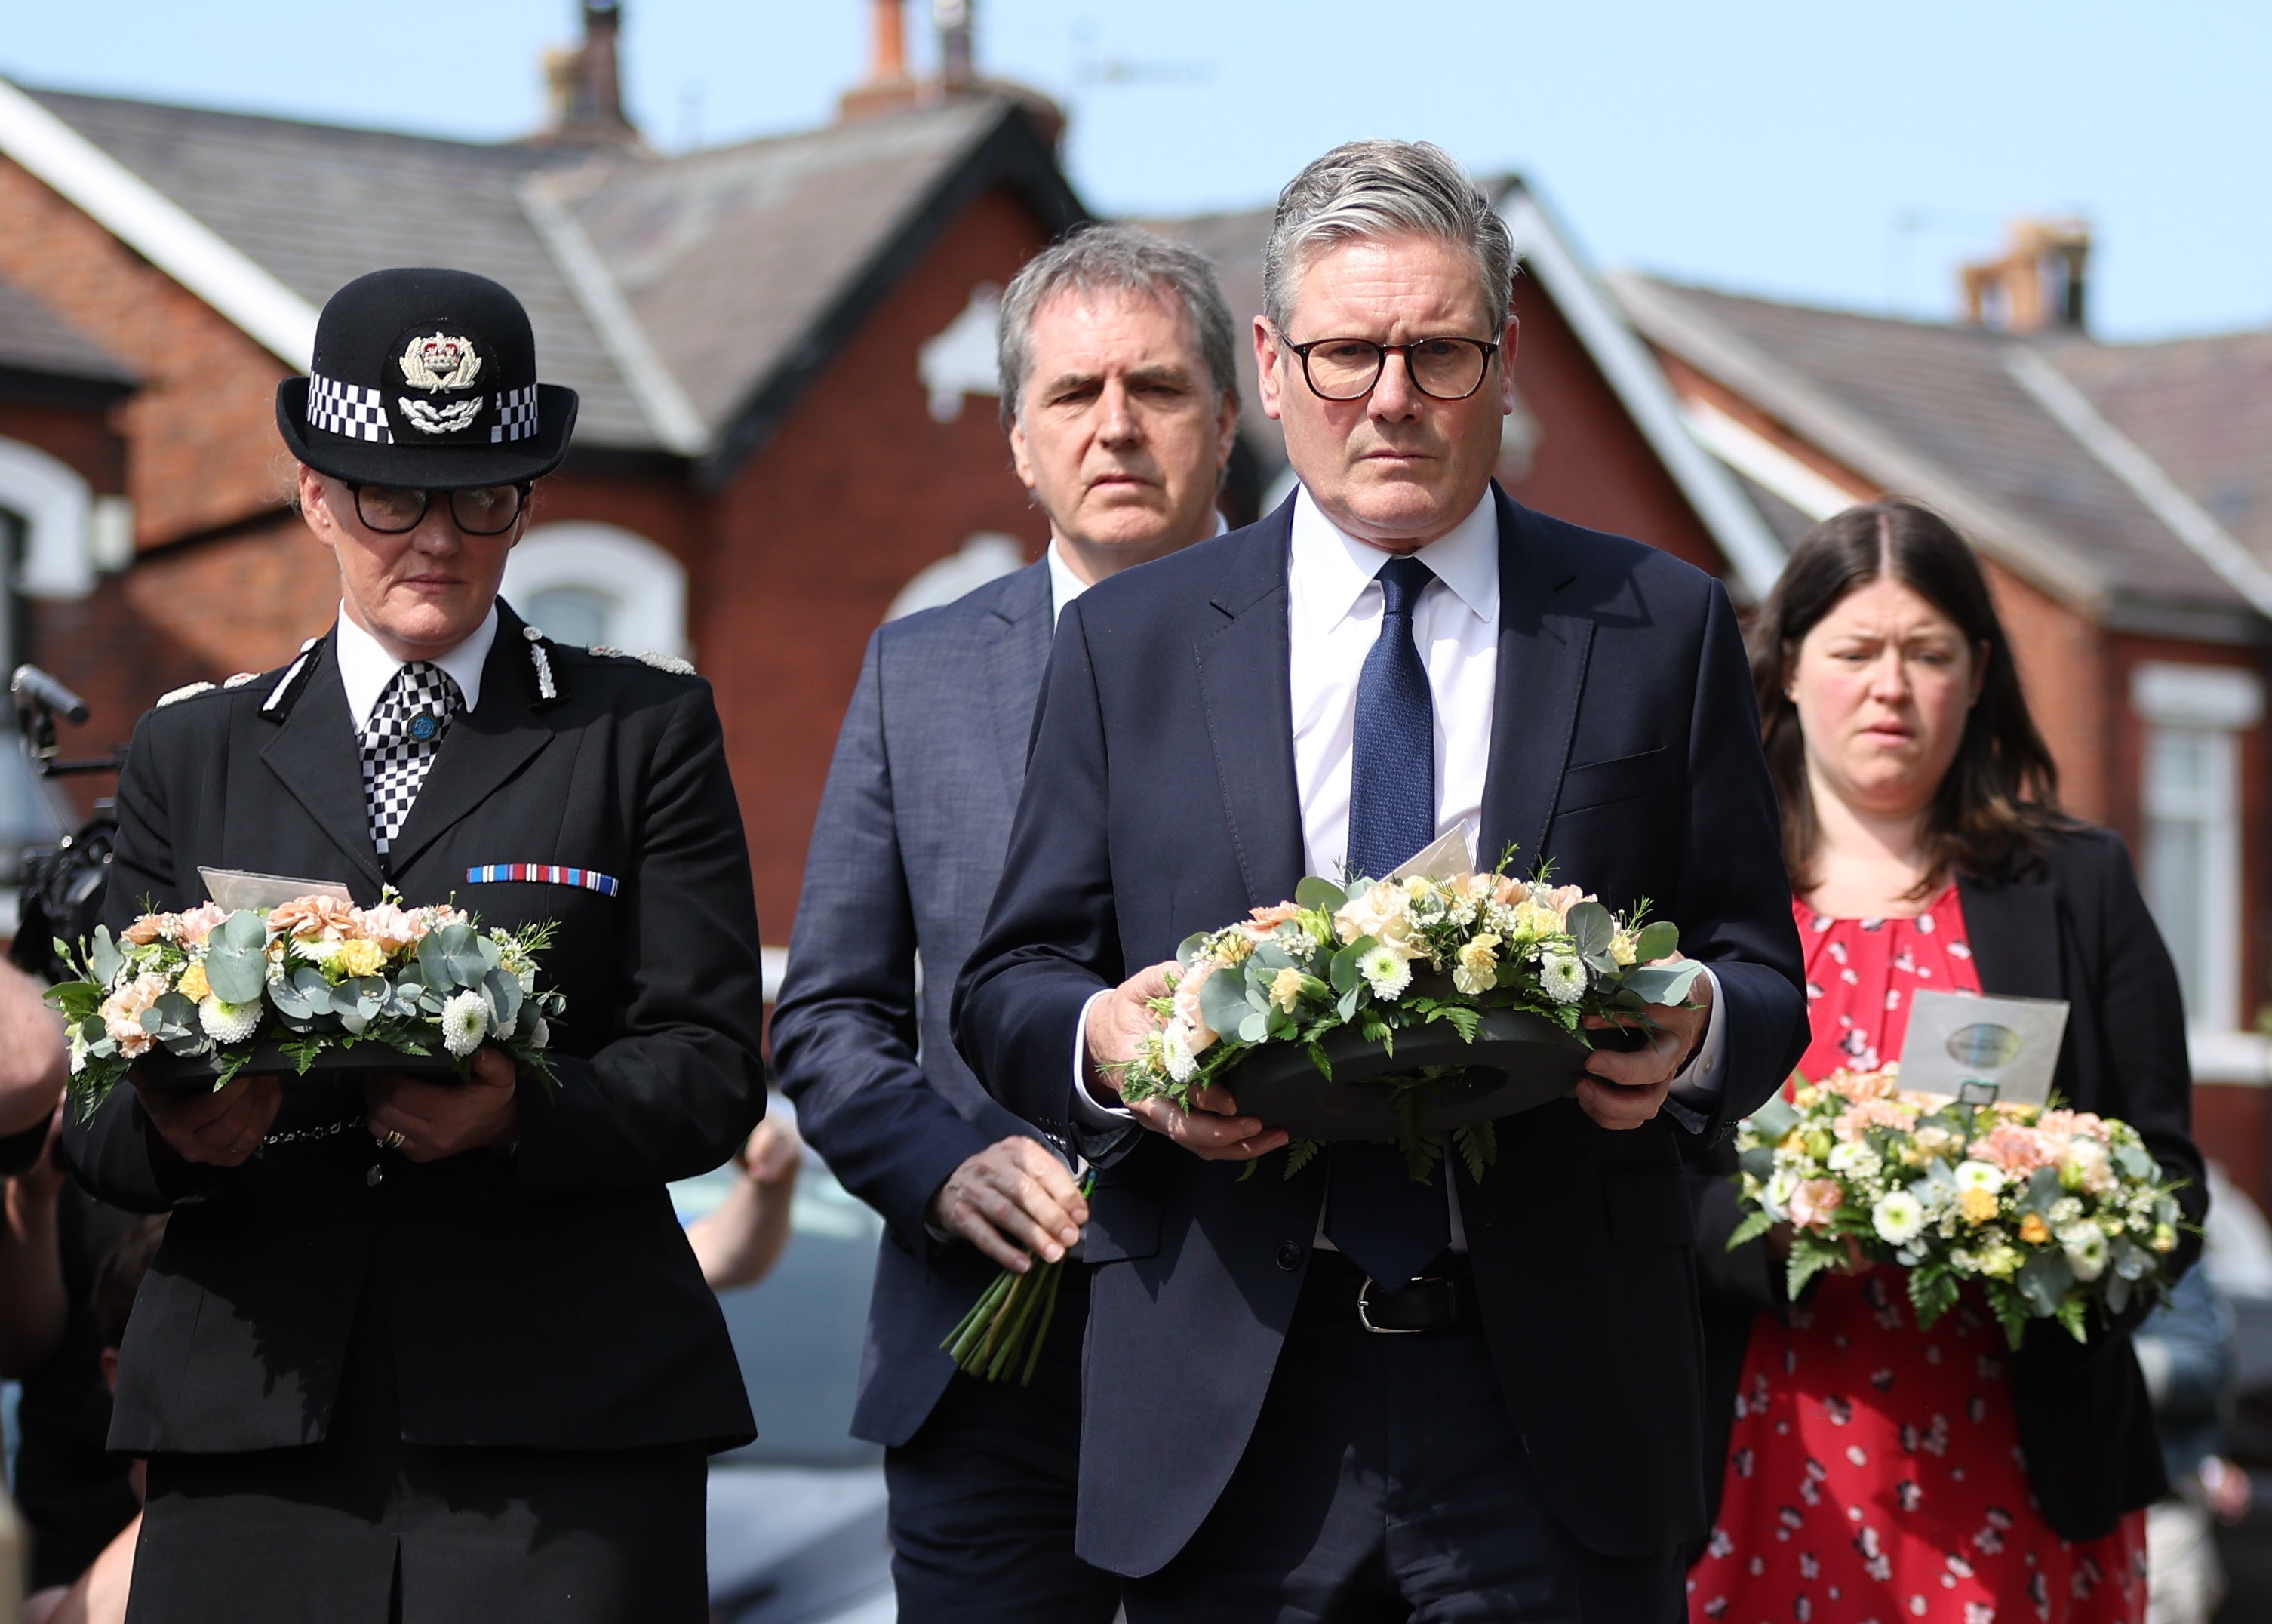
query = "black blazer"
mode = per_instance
[
  {"x": 1160, "y": 800},
  {"x": 2077, "y": 929},
  {"x": 906, "y": 853},
  {"x": 542, "y": 1299}
]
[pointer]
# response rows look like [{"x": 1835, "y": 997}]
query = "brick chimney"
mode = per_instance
[
  {"x": 584, "y": 85},
  {"x": 887, "y": 88},
  {"x": 2039, "y": 282}
]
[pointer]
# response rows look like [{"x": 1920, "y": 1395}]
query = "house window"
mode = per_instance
[
  {"x": 2191, "y": 868},
  {"x": 599, "y": 586}
]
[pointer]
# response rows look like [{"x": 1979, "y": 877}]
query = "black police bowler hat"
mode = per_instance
[{"x": 425, "y": 378}]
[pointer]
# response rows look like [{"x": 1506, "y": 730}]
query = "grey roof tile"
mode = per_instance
[
  {"x": 34, "y": 339},
  {"x": 318, "y": 205},
  {"x": 1943, "y": 396}
]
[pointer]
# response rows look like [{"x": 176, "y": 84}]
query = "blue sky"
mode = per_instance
[{"x": 1847, "y": 151}]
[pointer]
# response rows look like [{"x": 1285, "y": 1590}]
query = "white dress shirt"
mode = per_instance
[
  {"x": 1332, "y": 618},
  {"x": 365, "y": 668}
]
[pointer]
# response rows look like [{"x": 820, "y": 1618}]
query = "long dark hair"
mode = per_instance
[{"x": 2000, "y": 797}]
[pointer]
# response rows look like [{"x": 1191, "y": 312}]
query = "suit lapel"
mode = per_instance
[
  {"x": 1245, "y": 687},
  {"x": 1016, "y": 654},
  {"x": 484, "y": 747},
  {"x": 2014, "y": 937},
  {"x": 1541, "y": 674},
  {"x": 315, "y": 758}
]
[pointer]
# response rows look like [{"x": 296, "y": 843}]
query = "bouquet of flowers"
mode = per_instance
[
  {"x": 1375, "y": 959},
  {"x": 2050, "y": 1212},
  {"x": 311, "y": 977},
  {"x": 1383, "y": 957}
]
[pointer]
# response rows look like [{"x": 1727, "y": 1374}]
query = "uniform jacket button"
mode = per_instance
[
  {"x": 1290, "y": 1256},
  {"x": 375, "y": 1176}
]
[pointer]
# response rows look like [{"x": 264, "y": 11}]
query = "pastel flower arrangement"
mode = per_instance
[
  {"x": 1380, "y": 957},
  {"x": 2053, "y": 1214},
  {"x": 309, "y": 976}
]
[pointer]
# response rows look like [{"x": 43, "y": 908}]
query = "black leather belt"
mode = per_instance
[{"x": 1442, "y": 1298}]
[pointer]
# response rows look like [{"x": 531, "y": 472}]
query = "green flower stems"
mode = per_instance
[{"x": 1002, "y": 1334}]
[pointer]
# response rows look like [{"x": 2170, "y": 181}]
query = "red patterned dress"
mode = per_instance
[{"x": 1874, "y": 1474}]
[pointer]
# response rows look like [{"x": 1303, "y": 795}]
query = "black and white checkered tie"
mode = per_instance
[{"x": 406, "y": 727}]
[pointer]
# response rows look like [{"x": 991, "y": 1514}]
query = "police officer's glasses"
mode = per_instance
[
  {"x": 485, "y": 509},
  {"x": 1346, "y": 369}
]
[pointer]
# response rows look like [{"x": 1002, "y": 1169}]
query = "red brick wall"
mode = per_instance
[
  {"x": 202, "y": 424},
  {"x": 1591, "y": 465},
  {"x": 2063, "y": 662},
  {"x": 859, "y": 489},
  {"x": 85, "y": 439}
]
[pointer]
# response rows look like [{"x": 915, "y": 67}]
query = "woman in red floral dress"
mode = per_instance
[{"x": 1874, "y": 1473}]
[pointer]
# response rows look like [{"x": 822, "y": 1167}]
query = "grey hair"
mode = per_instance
[
  {"x": 1382, "y": 188},
  {"x": 1100, "y": 259}
]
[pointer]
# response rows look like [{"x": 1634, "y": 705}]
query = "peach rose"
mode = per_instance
[
  {"x": 149, "y": 928},
  {"x": 122, "y": 1012},
  {"x": 1197, "y": 1034},
  {"x": 307, "y": 917},
  {"x": 1277, "y": 914},
  {"x": 1814, "y": 1203},
  {"x": 390, "y": 926},
  {"x": 199, "y": 923},
  {"x": 2016, "y": 1149}
]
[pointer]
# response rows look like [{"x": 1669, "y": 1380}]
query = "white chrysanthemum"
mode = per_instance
[
  {"x": 1898, "y": 1217},
  {"x": 1386, "y": 971},
  {"x": 465, "y": 1021},
  {"x": 1175, "y": 1057},
  {"x": 1854, "y": 1158},
  {"x": 2085, "y": 1246},
  {"x": 227, "y": 1024},
  {"x": 1563, "y": 976},
  {"x": 1971, "y": 1175}
]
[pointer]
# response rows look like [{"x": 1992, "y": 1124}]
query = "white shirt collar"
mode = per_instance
[
  {"x": 1065, "y": 585},
  {"x": 365, "y": 668},
  {"x": 1337, "y": 568}
]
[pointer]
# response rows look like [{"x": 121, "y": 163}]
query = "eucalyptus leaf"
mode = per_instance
[
  {"x": 1222, "y": 1000},
  {"x": 2042, "y": 1191},
  {"x": 2043, "y": 1280},
  {"x": 1346, "y": 975},
  {"x": 2118, "y": 1292},
  {"x": 1188, "y": 949},
  {"x": 103, "y": 957},
  {"x": 1320, "y": 893},
  {"x": 1665, "y": 985},
  {"x": 1657, "y": 939},
  {"x": 1775, "y": 1119},
  {"x": 243, "y": 929},
  {"x": 1759, "y": 1161},
  {"x": 1269, "y": 956},
  {"x": 505, "y": 992},
  {"x": 1591, "y": 926},
  {"x": 236, "y": 974},
  {"x": 314, "y": 990},
  {"x": 1253, "y": 1028}
]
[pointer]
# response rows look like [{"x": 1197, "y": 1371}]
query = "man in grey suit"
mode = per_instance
[{"x": 1121, "y": 399}]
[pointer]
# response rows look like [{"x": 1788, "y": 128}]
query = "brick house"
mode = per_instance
[{"x": 2120, "y": 495}]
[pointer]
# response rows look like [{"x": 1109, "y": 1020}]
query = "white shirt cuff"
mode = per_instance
[
  {"x": 1697, "y": 1085},
  {"x": 1087, "y": 1109}
]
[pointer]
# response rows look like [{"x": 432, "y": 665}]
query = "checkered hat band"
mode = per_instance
[
  {"x": 516, "y": 416},
  {"x": 347, "y": 409},
  {"x": 395, "y": 758}
]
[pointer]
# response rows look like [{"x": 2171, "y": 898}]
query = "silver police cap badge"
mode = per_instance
[{"x": 444, "y": 364}]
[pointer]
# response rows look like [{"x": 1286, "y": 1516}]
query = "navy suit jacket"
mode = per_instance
[
  {"x": 904, "y": 855},
  {"x": 1160, "y": 800}
]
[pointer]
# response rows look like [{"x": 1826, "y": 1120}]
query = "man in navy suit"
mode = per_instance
[
  {"x": 1342, "y": 1394},
  {"x": 1121, "y": 397}
]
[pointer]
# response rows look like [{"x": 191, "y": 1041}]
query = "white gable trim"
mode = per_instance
[
  {"x": 1640, "y": 383},
  {"x": 1765, "y": 463},
  {"x": 157, "y": 228},
  {"x": 2124, "y": 458},
  {"x": 669, "y": 411}
]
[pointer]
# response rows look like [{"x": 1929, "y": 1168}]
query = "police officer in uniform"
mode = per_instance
[{"x": 424, "y": 1350}]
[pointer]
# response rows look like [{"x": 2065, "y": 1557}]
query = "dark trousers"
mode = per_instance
[
  {"x": 1385, "y": 1482},
  {"x": 982, "y": 1497},
  {"x": 365, "y": 1529}
]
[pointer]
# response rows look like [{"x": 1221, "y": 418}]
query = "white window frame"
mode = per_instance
[
  {"x": 58, "y": 510},
  {"x": 644, "y": 585},
  {"x": 2215, "y": 704}
]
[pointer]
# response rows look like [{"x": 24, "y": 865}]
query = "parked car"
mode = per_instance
[{"x": 797, "y": 1524}]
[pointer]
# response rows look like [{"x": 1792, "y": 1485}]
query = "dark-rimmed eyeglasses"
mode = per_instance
[
  {"x": 1443, "y": 368},
  {"x": 484, "y": 510}
]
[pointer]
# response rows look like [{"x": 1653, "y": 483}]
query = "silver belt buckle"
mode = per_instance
[{"x": 1365, "y": 1316}]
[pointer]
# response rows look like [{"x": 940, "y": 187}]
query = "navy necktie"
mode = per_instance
[{"x": 1387, "y": 1224}]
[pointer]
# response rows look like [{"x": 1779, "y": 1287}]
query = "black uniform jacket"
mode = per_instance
[
  {"x": 544, "y": 1297},
  {"x": 2077, "y": 929}
]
